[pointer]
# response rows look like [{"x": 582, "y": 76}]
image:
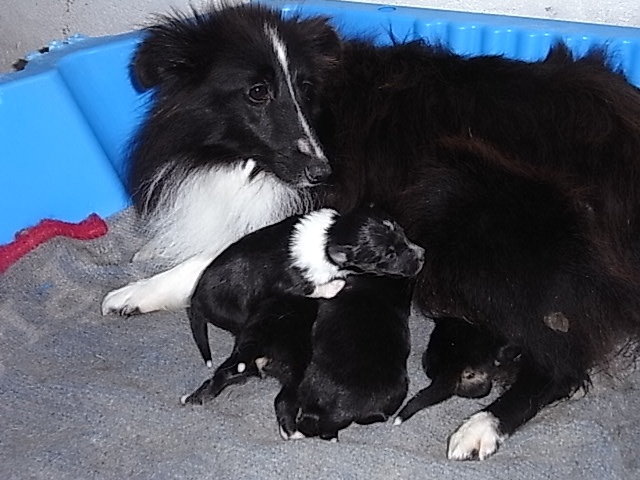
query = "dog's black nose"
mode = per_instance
[{"x": 317, "y": 173}]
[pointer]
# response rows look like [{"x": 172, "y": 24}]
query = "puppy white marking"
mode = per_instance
[
  {"x": 308, "y": 247},
  {"x": 328, "y": 290},
  {"x": 397, "y": 421},
  {"x": 198, "y": 218},
  {"x": 183, "y": 399},
  {"x": 209, "y": 364},
  {"x": 477, "y": 436},
  {"x": 294, "y": 436},
  {"x": 281, "y": 53},
  {"x": 261, "y": 362},
  {"x": 241, "y": 367}
]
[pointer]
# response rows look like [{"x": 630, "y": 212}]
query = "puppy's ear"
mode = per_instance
[{"x": 339, "y": 254}]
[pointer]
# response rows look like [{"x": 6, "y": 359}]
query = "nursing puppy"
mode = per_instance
[
  {"x": 464, "y": 360},
  {"x": 255, "y": 289},
  {"x": 358, "y": 368},
  {"x": 308, "y": 255}
]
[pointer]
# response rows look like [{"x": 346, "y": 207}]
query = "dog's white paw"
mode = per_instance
[
  {"x": 477, "y": 438},
  {"x": 131, "y": 299},
  {"x": 169, "y": 290}
]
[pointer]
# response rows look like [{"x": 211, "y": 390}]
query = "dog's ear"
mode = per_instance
[
  {"x": 146, "y": 67},
  {"x": 323, "y": 40},
  {"x": 168, "y": 49}
]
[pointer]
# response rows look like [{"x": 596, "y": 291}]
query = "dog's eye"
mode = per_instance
[
  {"x": 259, "y": 93},
  {"x": 308, "y": 90}
]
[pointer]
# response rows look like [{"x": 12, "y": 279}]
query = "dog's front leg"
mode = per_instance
[
  {"x": 169, "y": 290},
  {"x": 481, "y": 434}
]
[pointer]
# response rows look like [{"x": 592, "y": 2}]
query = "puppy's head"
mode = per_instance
[
  {"x": 247, "y": 80},
  {"x": 470, "y": 357},
  {"x": 367, "y": 242}
]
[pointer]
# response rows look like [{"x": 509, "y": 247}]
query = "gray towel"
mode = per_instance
[{"x": 85, "y": 396}]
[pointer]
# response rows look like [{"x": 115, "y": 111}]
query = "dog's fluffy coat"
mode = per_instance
[{"x": 519, "y": 179}]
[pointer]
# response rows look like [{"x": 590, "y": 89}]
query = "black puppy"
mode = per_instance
[
  {"x": 358, "y": 368},
  {"x": 308, "y": 255},
  {"x": 275, "y": 341},
  {"x": 462, "y": 359}
]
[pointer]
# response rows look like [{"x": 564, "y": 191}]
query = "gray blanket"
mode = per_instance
[{"x": 86, "y": 396}]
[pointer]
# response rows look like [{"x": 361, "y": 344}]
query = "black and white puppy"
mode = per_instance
[
  {"x": 255, "y": 289},
  {"x": 308, "y": 255},
  {"x": 462, "y": 359},
  {"x": 358, "y": 368}
]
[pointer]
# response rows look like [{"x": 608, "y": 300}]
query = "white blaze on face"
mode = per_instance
[{"x": 308, "y": 145}]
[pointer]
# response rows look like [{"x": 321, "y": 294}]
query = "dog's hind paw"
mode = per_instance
[{"x": 476, "y": 439}]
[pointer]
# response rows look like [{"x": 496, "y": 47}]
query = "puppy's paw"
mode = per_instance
[
  {"x": 293, "y": 435},
  {"x": 476, "y": 439}
]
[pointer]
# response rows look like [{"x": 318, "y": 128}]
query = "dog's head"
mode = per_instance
[
  {"x": 367, "y": 242},
  {"x": 247, "y": 80}
]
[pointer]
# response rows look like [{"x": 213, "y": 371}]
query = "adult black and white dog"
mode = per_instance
[{"x": 519, "y": 179}]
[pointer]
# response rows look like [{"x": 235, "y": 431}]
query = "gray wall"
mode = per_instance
[{"x": 26, "y": 25}]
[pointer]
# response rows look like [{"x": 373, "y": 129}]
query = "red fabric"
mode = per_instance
[{"x": 26, "y": 240}]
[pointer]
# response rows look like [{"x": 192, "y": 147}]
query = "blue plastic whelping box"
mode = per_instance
[{"x": 66, "y": 119}]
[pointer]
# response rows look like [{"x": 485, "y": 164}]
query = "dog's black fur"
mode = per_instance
[
  {"x": 273, "y": 262},
  {"x": 358, "y": 368},
  {"x": 464, "y": 360},
  {"x": 519, "y": 179}
]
